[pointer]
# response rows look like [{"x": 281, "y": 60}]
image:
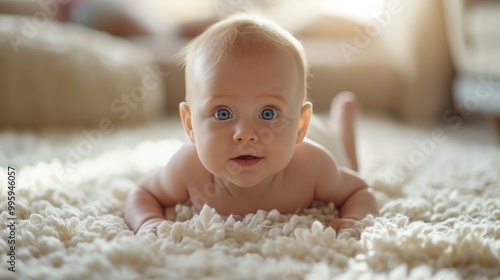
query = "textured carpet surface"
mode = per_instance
[{"x": 438, "y": 189}]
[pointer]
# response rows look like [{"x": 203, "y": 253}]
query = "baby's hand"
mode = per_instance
[
  {"x": 340, "y": 224},
  {"x": 150, "y": 226}
]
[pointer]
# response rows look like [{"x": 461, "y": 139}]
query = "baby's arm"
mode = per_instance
[
  {"x": 350, "y": 194},
  {"x": 145, "y": 206}
]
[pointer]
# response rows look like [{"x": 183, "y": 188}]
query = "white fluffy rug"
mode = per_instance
[{"x": 439, "y": 194}]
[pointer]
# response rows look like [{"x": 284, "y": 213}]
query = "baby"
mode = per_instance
[{"x": 246, "y": 115}]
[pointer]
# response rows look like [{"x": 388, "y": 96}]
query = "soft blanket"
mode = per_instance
[{"x": 438, "y": 189}]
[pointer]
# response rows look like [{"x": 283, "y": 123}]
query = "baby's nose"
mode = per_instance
[{"x": 245, "y": 133}]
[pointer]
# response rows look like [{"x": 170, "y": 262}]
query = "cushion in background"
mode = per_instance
[
  {"x": 61, "y": 74},
  {"x": 481, "y": 20}
]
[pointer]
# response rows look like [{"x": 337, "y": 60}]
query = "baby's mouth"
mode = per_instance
[{"x": 247, "y": 160}]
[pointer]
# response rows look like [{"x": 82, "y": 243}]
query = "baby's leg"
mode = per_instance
[{"x": 342, "y": 120}]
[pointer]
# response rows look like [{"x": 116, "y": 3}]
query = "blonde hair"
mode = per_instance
[{"x": 236, "y": 37}]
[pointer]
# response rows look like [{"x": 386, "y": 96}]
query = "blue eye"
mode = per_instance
[
  {"x": 223, "y": 114},
  {"x": 268, "y": 114}
]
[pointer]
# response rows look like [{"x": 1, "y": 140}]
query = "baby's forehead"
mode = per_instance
[
  {"x": 268, "y": 73},
  {"x": 242, "y": 59},
  {"x": 266, "y": 83},
  {"x": 240, "y": 66}
]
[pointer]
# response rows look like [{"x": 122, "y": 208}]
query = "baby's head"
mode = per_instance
[
  {"x": 237, "y": 39},
  {"x": 246, "y": 97}
]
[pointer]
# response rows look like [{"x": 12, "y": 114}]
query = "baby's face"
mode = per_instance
[{"x": 245, "y": 118}]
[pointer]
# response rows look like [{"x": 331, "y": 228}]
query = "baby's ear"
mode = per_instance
[
  {"x": 305, "y": 118},
  {"x": 185, "y": 112}
]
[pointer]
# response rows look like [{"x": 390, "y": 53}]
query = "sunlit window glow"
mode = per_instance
[{"x": 360, "y": 9}]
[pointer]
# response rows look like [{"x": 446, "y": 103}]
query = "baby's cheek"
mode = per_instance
[{"x": 213, "y": 158}]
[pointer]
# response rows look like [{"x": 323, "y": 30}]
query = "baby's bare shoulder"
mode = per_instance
[
  {"x": 313, "y": 151},
  {"x": 185, "y": 163},
  {"x": 185, "y": 156},
  {"x": 313, "y": 158}
]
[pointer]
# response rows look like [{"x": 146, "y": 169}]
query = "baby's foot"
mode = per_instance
[{"x": 343, "y": 112}]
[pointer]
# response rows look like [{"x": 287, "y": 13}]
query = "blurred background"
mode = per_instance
[{"x": 96, "y": 62}]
